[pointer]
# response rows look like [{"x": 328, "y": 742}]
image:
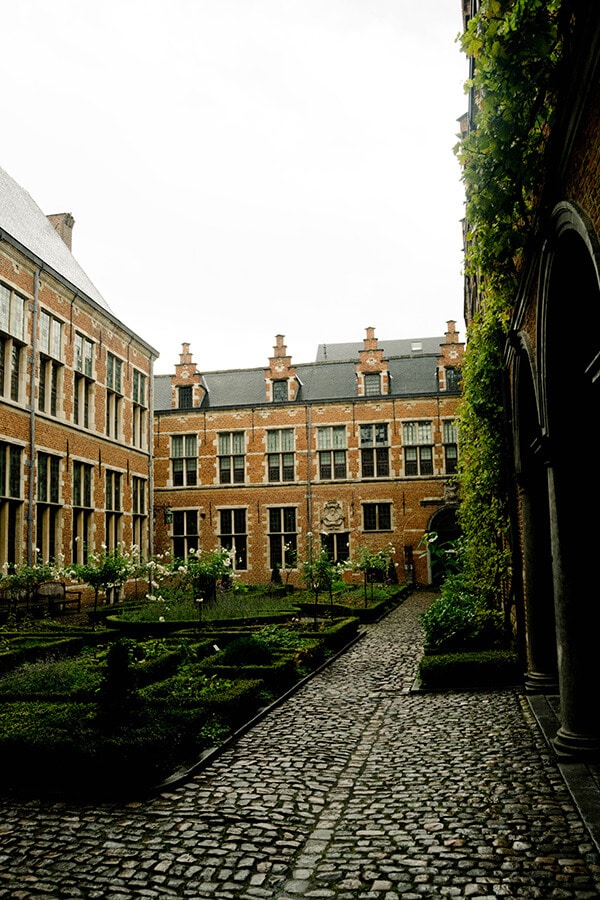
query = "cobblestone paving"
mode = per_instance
[{"x": 354, "y": 789}]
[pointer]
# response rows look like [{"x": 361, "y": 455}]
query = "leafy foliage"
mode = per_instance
[
  {"x": 516, "y": 48},
  {"x": 458, "y": 620}
]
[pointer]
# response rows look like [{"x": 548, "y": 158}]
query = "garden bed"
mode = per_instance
[{"x": 80, "y": 725}]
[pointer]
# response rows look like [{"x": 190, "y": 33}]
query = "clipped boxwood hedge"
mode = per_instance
[
  {"x": 59, "y": 748},
  {"x": 472, "y": 670},
  {"x": 28, "y": 648},
  {"x": 280, "y": 674}
]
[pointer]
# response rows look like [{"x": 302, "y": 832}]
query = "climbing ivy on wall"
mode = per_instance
[{"x": 516, "y": 48}]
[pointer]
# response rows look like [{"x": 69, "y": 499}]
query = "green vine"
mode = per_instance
[{"x": 516, "y": 48}]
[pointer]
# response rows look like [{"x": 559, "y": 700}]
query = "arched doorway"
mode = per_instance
[
  {"x": 570, "y": 358},
  {"x": 445, "y": 525}
]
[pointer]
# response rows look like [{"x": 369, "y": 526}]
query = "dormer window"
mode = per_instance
[
  {"x": 280, "y": 391},
  {"x": 372, "y": 384},
  {"x": 453, "y": 378},
  {"x": 185, "y": 397}
]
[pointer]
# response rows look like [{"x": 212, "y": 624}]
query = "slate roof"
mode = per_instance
[
  {"x": 326, "y": 380},
  {"x": 403, "y": 347},
  {"x": 22, "y": 220}
]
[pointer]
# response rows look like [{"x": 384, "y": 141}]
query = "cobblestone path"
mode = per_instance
[{"x": 355, "y": 789}]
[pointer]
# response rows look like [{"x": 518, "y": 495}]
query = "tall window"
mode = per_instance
[
  {"x": 114, "y": 395},
  {"x": 184, "y": 459},
  {"x": 12, "y": 332},
  {"x": 84, "y": 355},
  {"x": 185, "y": 397},
  {"x": 418, "y": 448},
  {"x": 48, "y": 506},
  {"x": 374, "y": 450},
  {"x": 337, "y": 545},
  {"x": 185, "y": 532},
  {"x": 231, "y": 457},
  {"x": 113, "y": 509},
  {"x": 280, "y": 454},
  {"x": 331, "y": 444},
  {"x": 232, "y": 535},
  {"x": 50, "y": 363},
  {"x": 12, "y": 313},
  {"x": 377, "y": 516},
  {"x": 282, "y": 537},
  {"x": 138, "y": 510},
  {"x": 82, "y": 380},
  {"x": 140, "y": 411},
  {"x": 11, "y": 503},
  {"x": 450, "y": 433},
  {"x": 11, "y": 368},
  {"x": 83, "y": 511}
]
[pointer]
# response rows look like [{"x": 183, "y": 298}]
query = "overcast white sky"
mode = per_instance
[{"x": 239, "y": 169}]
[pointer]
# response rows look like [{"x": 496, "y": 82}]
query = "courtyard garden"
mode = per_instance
[{"x": 120, "y": 695}]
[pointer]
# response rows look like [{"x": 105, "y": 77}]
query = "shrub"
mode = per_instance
[
  {"x": 246, "y": 650},
  {"x": 490, "y": 668},
  {"x": 60, "y": 679},
  {"x": 458, "y": 620}
]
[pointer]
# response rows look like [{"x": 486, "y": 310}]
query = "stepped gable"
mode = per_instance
[{"x": 412, "y": 366}]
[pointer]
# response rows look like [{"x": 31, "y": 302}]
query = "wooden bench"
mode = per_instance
[{"x": 59, "y": 597}]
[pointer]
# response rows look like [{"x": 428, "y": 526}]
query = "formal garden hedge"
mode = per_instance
[{"x": 117, "y": 707}]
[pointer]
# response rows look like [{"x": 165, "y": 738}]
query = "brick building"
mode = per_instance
[
  {"x": 358, "y": 448},
  {"x": 75, "y": 399}
]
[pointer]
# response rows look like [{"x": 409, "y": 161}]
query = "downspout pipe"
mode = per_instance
[{"x": 30, "y": 463}]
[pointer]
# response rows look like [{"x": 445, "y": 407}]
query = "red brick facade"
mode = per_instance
[
  {"x": 259, "y": 475},
  {"x": 75, "y": 413}
]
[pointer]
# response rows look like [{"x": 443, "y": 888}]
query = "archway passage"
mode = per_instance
[
  {"x": 444, "y": 523},
  {"x": 571, "y": 366}
]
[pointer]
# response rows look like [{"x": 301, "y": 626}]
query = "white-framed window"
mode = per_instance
[
  {"x": 331, "y": 445},
  {"x": 84, "y": 355},
  {"x": 231, "y": 447},
  {"x": 113, "y": 509},
  {"x": 184, "y": 460},
  {"x": 283, "y": 539},
  {"x": 114, "y": 395},
  {"x": 185, "y": 532},
  {"x": 450, "y": 439},
  {"x": 140, "y": 409},
  {"x": 374, "y": 450},
  {"x": 280, "y": 454},
  {"x": 372, "y": 384},
  {"x": 11, "y": 368},
  {"x": 337, "y": 545},
  {"x": 48, "y": 507},
  {"x": 233, "y": 535},
  {"x": 83, "y": 365},
  {"x": 418, "y": 448},
  {"x": 280, "y": 391},
  {"x": 139, "y": 491},
  {"x": 83, "y": 511},
  {"x": 12, "y": 313},
  {"x": 377, "y": 516},
  {"x": 51, "y": 330},
  {"x": 11, "y": 502}
]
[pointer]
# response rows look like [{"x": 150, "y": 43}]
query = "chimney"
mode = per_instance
[{"x": 63, "y": 225}]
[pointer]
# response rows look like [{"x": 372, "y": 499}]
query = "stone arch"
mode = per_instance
[{"x": 569, "y": 340}]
